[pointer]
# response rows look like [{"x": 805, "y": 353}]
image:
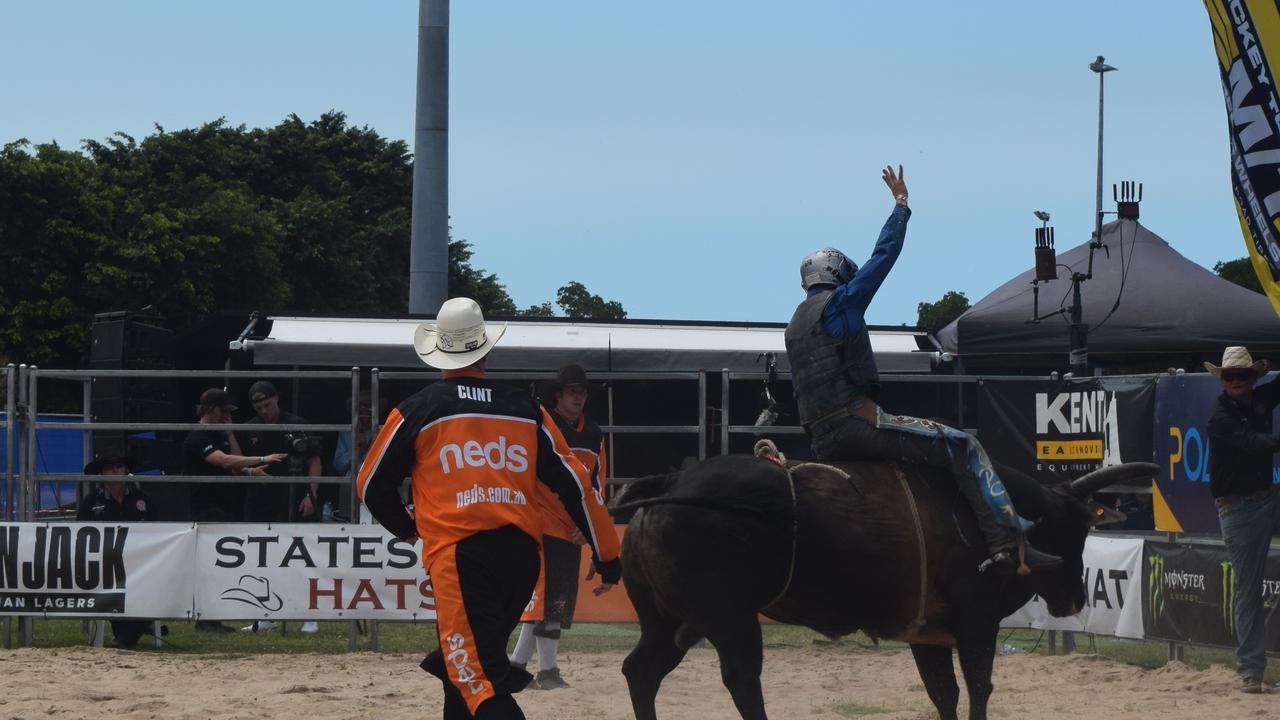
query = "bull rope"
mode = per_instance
[
  {"x": 767, "y": 450},
  {"x": 924, "y": 556}
]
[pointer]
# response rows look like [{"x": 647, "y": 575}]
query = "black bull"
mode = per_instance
[{"x": 718, "y": 543}]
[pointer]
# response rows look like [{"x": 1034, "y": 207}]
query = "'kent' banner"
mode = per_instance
[
  {"x": 1058, "y": 430},
  {"x": 1246, "y": 36}
]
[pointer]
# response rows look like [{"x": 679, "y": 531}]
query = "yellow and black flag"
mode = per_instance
[{"x": 1246, "y": 36}]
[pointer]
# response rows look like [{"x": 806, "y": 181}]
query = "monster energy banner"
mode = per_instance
[
  {"x": 1057, "y": 430},
  {"x": 1190, "y": 591},
  {"x": 1246, "y": 37}
]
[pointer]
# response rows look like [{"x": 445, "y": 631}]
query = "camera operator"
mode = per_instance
[{"x": 278, "y": 502}]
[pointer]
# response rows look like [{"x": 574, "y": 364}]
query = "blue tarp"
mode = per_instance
[{"x": 57, "y": 451}]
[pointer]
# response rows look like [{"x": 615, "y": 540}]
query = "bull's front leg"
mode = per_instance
[
  {"x": 939, "y": 676},
  {"x": 976, "y": 645}
]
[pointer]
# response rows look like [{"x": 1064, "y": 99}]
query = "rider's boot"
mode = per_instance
[{"x": 1021, "y": 558}]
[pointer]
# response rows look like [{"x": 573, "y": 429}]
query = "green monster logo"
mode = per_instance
[
  {"x": 1155, "y": 587},
  {"x": 1228, "y": 595}
]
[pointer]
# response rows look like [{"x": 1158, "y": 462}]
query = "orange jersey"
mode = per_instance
[
  {"x": 478, "y": 455},
  {"x": 586, "y": 442}
]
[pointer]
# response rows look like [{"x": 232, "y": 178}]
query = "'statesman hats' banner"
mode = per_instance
[{"x": 1246, "y": 37}]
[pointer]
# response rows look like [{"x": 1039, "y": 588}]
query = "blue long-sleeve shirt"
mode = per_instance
[{"x": 845, "y": 312}]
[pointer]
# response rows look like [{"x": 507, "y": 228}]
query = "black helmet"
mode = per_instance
[{"x": 827, "y": 266}]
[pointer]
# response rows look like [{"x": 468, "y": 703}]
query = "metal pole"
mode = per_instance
[
  {"x": 10, "y": 432},
  {"x": 354, "y": 488},
  {"x": 724, "y": 411},
  {"x": 702, "y": 414},
  {"x": 1078, "y": 360},
  {"x": 1097, "y": 207},
  {"x": 26, "y": 627},
  {"x": 29, "y": 486},
  {"x": 86, "y": 438},
  {"x": 429, "y": 223}
]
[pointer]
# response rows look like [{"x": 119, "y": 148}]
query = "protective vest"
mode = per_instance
[{"x": 827, "y": 373}]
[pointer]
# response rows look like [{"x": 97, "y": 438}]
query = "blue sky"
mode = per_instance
[{"x": 681, "y": 157}]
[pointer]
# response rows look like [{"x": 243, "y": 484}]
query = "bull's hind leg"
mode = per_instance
[
  {"x": 652, "y": 659},
  {"x": 939, "y": 676},
  {"x": 741, "y": 650}
]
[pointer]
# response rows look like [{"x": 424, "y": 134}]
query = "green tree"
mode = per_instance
[
  {"x": 936, "y": 315},
  {"x": 577, "y": 302},
  {"x": 303, "y": 217},
  {"x": 484, "y": 288},
  {"x": 1239, "y": 271}
]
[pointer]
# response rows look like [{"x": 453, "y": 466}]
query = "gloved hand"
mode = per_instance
[{"x": 610, "y": 572}]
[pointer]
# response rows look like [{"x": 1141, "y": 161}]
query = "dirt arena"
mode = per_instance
[{"x": 819, "y": 683}]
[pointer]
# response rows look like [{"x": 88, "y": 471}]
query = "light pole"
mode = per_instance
[
  {"x": 1078, "y": 360},
  {"x": 1102, "y": 69}
]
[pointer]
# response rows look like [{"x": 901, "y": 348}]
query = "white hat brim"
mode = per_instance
[
  {"x": 1259, "y": 367},
  {"x": 424, "y": 344}
]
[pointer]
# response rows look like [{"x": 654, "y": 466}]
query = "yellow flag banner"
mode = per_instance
[{"x": 1246, "y": 36}]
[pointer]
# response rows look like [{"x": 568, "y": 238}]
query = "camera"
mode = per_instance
[
  {"x": 300, "y": 447},
  {"x": 300, "y": 443}
]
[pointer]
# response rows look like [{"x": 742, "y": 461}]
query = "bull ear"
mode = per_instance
[
  {"x": 1102, "y": 515},
  {"x": 1085, "y": 485}
]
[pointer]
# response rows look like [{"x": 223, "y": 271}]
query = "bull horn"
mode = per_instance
[{"x": 1085, "y": 485}]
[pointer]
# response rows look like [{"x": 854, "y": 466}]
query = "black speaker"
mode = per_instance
[{"x": 134, "y": 341}]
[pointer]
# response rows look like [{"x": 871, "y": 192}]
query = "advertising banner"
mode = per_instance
[
  {"x": 1182, "y": 501},
  {"x": 335, "y": 572},
  {"x": 1112, "y": 590},
  {"x": 1058, "y": 430},
  {"x": 308, "y": 571},
  {"x": 1189, "y": 592},
  {"x": 1246, "y": 38},
  {"x": 95, "y": 569}
]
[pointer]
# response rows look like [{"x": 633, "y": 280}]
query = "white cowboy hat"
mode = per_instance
[
  {"x": 1237, "y": 357},
  {"x": 459, "y": 336}
]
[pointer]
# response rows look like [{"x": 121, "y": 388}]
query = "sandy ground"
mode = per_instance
[{"x": 818, "y": 683}]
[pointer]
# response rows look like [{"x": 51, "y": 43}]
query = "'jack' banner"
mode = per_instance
[
  {"x": 96, "y": 569},
  {"x": 1246, "y": 37}
]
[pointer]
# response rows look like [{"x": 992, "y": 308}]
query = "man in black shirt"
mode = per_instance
[
  {"x": 215, "y": 452},
  {"x": 276, "y": 502},
  {"x": 113, "y": 501},
  {"x": 1241, "y": 472}
]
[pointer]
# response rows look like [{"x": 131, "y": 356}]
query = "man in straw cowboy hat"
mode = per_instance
[
  {"x": 1241, "y": 444},
  {"x": 476, "y": 452}
]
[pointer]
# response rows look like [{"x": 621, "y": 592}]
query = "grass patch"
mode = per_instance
[{"x": 420, "y": 638}]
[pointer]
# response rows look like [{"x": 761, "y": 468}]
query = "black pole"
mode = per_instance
[{"x": 1078, "y": 360}]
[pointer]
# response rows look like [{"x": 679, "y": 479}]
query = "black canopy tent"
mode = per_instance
[{"x": 1170, "y": 313}]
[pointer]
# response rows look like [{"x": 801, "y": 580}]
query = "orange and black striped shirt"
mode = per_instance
[
  {"x": 477, "y": 455},
  {"x": 586, "y": 442}
]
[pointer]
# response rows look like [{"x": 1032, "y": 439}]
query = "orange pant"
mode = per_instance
[{"x": 481, "y": 584}]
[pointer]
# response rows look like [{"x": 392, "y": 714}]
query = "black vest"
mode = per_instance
[{"x": 827, "y": 373}]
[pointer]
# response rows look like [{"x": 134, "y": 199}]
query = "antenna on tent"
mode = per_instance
[{"x": 1046, "y": 266}]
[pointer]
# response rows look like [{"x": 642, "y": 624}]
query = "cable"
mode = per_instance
[{"x": 1124, "y": 275}]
